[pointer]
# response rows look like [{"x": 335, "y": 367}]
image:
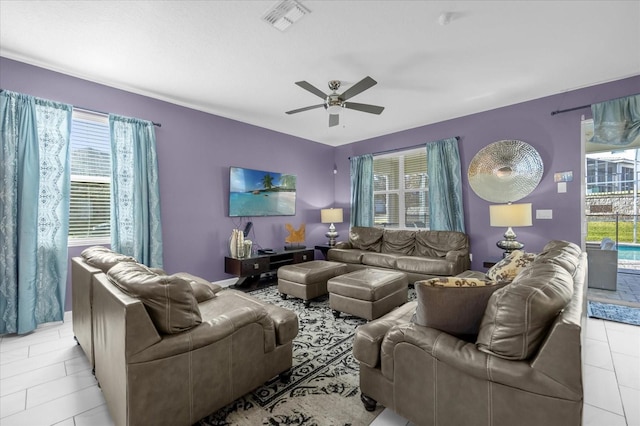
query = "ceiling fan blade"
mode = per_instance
[
  {"x": 371, "y": 109},
  {"x": 294, "y": 111},
  {"x": 334, "y": 119},
  {"x": 311, "y": 88},
  {"x": 359, "y": 87}
]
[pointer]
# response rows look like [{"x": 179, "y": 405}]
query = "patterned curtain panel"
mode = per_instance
[
  {"x": 445, "y": 186},
  {"x": 34, "y": 210},
  {"x": 616, "y": 122},
  {"x": 361, "y": 190},
  {"x": 135, "y": 196}
]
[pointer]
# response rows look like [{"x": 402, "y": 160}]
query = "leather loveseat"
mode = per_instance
[
  {"x": 519, "y": 362},
  {"x": 172, "y": 349},
  {"x": 421, "y": 254}
]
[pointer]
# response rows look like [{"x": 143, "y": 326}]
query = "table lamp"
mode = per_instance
[
  {"x": 510, "y": 215},
  {"x": 331, "y": 216}
]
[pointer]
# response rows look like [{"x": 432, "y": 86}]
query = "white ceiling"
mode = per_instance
[{"x": 220, "y": 57}]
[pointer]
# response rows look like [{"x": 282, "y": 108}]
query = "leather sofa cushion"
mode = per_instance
[
  {"x": 509, "y": 267},
  {"x": 345, "y": 255},
  {"x": 398, "y": 241},
  {"x": 425, "y": 265},
  {"x": 366, "y": 238},
  {"x": 439, "y": 243},
  {"x": 562, "y": 253},
  {"x": 454, "y": 305},
  {"x": 104, "y": 258},
  {"x": 380, "y": 260},
  {"x": 202, "y": 289},
  {"x": 519, "y": 315},
  {"x": 169, "y": 300}
]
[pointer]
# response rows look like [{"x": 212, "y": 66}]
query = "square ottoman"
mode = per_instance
[
  {"x": 307, "y": 280},
  {"x": 368, "y": 293}
]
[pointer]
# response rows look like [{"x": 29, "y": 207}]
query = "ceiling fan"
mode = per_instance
[{"x": 334, "y": 102}]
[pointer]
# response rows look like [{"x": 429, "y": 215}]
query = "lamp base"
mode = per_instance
[
  {"x": 509, "y": 244},
  {"x": 332, "y": 235},
  {"x": 332, "y": 238}
]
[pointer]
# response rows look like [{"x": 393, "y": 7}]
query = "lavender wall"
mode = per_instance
[
  {"x": 195, "y": 151},
  {"x": 556, "y": 138}
]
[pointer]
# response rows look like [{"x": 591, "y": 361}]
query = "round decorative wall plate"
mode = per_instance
[{"x": 505, "y": 171}]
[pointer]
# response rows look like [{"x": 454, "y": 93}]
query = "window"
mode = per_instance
[
  {"x": 401, "y": 190},
  {"x": 90, "y": 211}
]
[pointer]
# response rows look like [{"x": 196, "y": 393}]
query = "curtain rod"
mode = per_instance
[
  {"x": 403, "y": 148},
  {"x": 560, "y": 111},
  {"x": 98, "y": 112}
]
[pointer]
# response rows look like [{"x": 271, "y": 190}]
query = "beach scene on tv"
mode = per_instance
[{"x": 261, "y": 193}]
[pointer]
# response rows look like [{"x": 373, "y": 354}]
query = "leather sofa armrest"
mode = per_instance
[
  {"x": 368, "y": 339},
  {"x": 466, "y": 359},
  {"x": 343, "y": 245},
  {"x": 285, "y": 322},
  {"x": 210, "y": 332},
  {"x": 460, "y": 258}
]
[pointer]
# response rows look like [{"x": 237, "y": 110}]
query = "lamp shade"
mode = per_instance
[
  {"x": 510, "y": 214},
  {"x": 331, "y": 215}
]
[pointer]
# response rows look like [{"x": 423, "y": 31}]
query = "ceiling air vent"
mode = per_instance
[{"x": 283, "y": 14}]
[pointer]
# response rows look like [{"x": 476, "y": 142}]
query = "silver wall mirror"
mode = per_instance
[{"x": 505, "y": 171}]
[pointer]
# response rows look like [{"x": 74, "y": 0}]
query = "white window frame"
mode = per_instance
[
  {"x": 79, "y": 114},
  {"x": 401, "y": 191}
]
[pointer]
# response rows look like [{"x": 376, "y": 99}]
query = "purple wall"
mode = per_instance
[
  {"x": 556, "y": 138},
  {"x": 195, "y": 151}
]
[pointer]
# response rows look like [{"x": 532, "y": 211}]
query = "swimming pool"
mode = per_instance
[{"x": 628, "y": 252}]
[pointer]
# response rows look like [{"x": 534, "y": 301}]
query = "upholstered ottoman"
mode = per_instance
[
  {"x": 307, "y": 280},
  {"x": 368, "y": 293}
]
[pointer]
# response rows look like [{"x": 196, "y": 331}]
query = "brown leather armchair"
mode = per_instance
[
  {"x": 170, "y": 351},
  {"x": 522, "y": 367}
]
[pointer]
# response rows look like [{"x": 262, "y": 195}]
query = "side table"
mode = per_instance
[{"x": 324, "y": 248}]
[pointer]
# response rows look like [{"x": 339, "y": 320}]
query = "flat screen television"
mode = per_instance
[{"x": 261, "y": 193}]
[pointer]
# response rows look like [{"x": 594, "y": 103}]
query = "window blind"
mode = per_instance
[
  {"x": 401, "y": 190},
  {"x": 90, "y": 211}
]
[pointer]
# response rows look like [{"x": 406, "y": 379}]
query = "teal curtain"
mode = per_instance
[
  {"x": 616, "y": 122},
  {"x": 361, "y": 190},
  {"x": 34, "y": 210},
  {"x": 445, "y": 186},
  {"x": 135, "y": 196}
]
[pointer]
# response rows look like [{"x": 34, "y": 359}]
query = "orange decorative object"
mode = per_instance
[{"x": 295, "y": 235}]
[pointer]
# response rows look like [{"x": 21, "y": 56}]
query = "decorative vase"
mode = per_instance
[
  {"x": 248, "y": 246},
  {"x": 233, "y": 243},
  {"x": 240, "y": 243}
]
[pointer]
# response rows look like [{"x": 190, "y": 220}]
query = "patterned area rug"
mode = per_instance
[
  {"x": 323, "y": 389},
  {"x": 616, "y": 313}
]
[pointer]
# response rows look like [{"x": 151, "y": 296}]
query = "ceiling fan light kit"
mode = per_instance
[{"x": 334, "y": 102}]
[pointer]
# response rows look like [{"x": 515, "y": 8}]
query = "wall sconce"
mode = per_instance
[
  {"x": 331, "y": 216},
  {"x": 510, "y": 215}
]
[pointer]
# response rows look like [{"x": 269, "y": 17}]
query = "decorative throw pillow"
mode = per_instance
[
  {"x": 453, "y": 305},
  {"x": 169, "y": 300},
  {"x": 509, "y": 267},
  {"x": 104, "y": 258},
  {"x": 518, "y": 316}
]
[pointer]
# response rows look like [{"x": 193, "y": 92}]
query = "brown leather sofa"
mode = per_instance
[
  {"x": 172, "y": 349},
  {"x": 421, "y": 254},
  {"x": 523, "y": 366}
]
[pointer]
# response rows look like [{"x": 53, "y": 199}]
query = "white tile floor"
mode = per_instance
[{"x": 45, "y": 379}]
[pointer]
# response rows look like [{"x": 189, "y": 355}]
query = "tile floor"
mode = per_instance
[{"x": 45, "y": 379}]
